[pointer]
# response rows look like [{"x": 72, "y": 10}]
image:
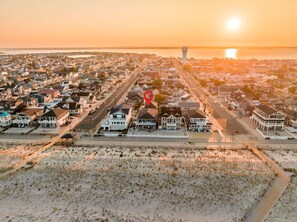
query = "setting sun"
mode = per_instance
[{"x": 233, "y": 23}]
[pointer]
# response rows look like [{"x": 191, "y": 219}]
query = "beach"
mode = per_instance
[{"x": 114, "y": 183}]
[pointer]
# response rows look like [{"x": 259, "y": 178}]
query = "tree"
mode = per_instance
[
  {"x": 103, "y": 76},
  {"x": 292, "y": 89},
  {"x": 160, "y": 98},
  {"x": 157, "y": 83},
  {"x": 256, "y": 96},
  {"x": 217, "y": 82},
  {"x": 203, "y": 82},
  {"x": 187, "y": 68},
  {"x": 246, "y": 89}
]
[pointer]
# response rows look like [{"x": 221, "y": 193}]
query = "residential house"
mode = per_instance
[
  {"x": 238, "y": 101},
  {"x": 29, "y": 101},
  {"x": 268, "y": 118},
  {"x": 226, "y": 91},
  {"x": 189, "y": 105},
  {"x": 291, "y": 118},
  {"x": 197, "y": 121},
  {"x": 171, "y": 118},
  {"x": 53, "y": 92},
  {"x": 27, "y": 118},
  {"x": 119, "y": 118},
  {"x": 5, "y": 119},
  {"x": 42, "y": 97},
  {"x": 152, "y": 105},
  {"x": 88, "y": 96},
  {"x": 54, "y": 118},
  {"x": 73, "y": 107},
  {"x": 151, "y": 74},
  {"x": 134, "y": 98},
  {"x": 11, "y": 106},
  {"x": 147, "y": 119},
  {"x": 76, "y": 99}
]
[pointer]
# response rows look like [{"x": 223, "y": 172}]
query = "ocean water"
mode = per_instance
[{"x": 197, "y": 53}]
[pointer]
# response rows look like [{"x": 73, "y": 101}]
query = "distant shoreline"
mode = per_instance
[{"x": 153, "y": 47}]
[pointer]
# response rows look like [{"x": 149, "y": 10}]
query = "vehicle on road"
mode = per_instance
[{"x": 91, "y": 112}]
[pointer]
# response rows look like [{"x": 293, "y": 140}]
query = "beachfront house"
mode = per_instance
[
  {"x": 54, "y": 118},
  {"x": 27, "y": 118},
  {"x": 171, "y": 118},
  {"x": 197, "y": 121},
  {"x": 147, "y": 119},
  {"x": 5, "y": 119},
  {"x": 119, "y": 118},
  {"x": 10, "y": 106},
  {"x": 268, "y": 118},
  {"x": 291, "y": 118}
]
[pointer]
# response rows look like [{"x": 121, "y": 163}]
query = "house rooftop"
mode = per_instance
[
  {"x": 58, "y": 113},
  {"x": 167, "y": 111},
  {"x": 124, "y": 108},
  {"x": 195, "y": 114},
  {"x": 266, "y": 109},
  {"x": 4, "y": 114},
  {"x": 147, "y": 114},
  {"x": 290, "y": 113},
  {"x": 188, "y": 104},
  {"x": 31, "y": 112}
]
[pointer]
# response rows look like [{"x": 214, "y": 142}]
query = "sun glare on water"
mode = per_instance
[
  {"x": 233, "y": 23},
  {"x": 231, "y": 53}
]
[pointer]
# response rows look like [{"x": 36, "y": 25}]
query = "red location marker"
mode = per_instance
[{"x": 148, "y": 97}]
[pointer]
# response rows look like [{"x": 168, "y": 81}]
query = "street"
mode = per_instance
[{"x": 90, "y": 122}]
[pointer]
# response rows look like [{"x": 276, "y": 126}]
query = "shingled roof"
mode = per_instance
[
  {"x": 124, "y": 108},
  {"x": 267, "y": 109},
  {"x": 168, "y": 111},
  {"x": 58, "y": 113},
  {"x": 195, "y": 114},
  {"x": 147, "y": 114}
]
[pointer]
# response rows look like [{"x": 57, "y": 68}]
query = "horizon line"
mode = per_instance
[{"x": 144, "y": 47}]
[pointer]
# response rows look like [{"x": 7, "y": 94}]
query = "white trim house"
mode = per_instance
[
  {"x": 171, "y": 118},
  {"x": 54, "y": 118},
  {"x": 5, "y": 119},
  {"x": 268, "y": 118},
  {"x": 119, "y": 118},
  {"x": 27, "y": 118},
  {"x": 197, "y": 121}
]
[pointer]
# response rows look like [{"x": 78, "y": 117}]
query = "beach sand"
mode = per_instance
[
  {"x": 135, "y": 184},
  {"x": 286, "y": 208}
]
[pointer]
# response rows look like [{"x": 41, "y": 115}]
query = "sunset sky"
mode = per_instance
[{"x": 135, "y": 23}]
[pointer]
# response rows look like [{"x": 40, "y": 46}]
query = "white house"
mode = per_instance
[
  {"x": 5, "y": 119},
  {"x": 119, "y": 118},
  {"x": 197, "y": 121},
  {"x": 268, "y": 118},
  {"x": 54, "y": 118},
  {"x": 27, "y": 118},
  {"x": 171, "y": 118}
]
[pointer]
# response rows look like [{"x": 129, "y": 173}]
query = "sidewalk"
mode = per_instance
[{"x": 182, "y": 133}]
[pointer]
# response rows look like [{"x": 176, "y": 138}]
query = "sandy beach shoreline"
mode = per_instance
[{"x": 122, "y": 183}]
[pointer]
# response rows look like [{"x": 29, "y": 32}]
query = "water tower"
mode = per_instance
[{"x": 185, "y": 51}]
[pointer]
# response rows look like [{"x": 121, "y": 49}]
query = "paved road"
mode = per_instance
[
  {"x": 91, "y": 121},
  {"x": 217, "y": 113}
]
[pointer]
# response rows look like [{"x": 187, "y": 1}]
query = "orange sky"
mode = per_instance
[{"x": 124, "y": 23}]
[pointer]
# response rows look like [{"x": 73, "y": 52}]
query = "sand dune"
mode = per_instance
[{"x": 135, "y": 184}]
